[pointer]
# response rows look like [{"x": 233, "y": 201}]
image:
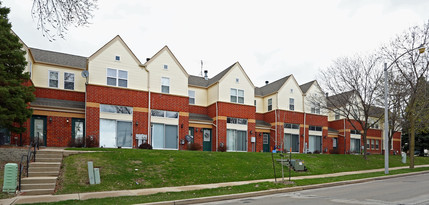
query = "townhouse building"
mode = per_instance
[{"x": 112, "y": 99}]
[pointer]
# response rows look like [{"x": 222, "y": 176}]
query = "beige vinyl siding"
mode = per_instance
[
  {"x": 260, "y": 104},
  {"x": 274, "y": 100},
  {"x": 315, "y": 93},
  {"x": 98, "y": 64},
  {"x": 284, "y": 95},
  {"x": 213, "y": 94},
  {"x": 229, "y": 81},
  {"x": 200, "y": 96},
  {"x": 178, "y": 79},
  {"x": 40, "y": 76}
]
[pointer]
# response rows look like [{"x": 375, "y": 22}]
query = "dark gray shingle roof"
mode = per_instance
[
  {"x": 261, "y": 123},
  {"x": 271, "y": 88},
  {"x": 339, "y": 100},
  {"x": 376, "y": 111},
  {"x": 332, "y": 130},
  {"x": 56, "y": 58},
  {"x": 48, "y": 102},
  {"x": 201, "y": 82},
  {"x": 199, "y": 117},
  {"x": 304, "y": 87}
]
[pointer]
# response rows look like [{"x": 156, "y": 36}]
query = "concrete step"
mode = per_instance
[
  {"x": 59, "y": 153},
  {"x": 37, "y": 191},
  {"x": 43, "y": 155},
  {"x": 38, "y": 186},
  {"x": 38, "y": 180},
  {"x": 43, "y": 174},
  {"x": 39, "y": 159},
  {"x": 44, "y": 169},
  {"x": 45, "y": 164}
]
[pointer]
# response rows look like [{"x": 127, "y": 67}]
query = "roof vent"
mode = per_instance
[
  {"x": 147, "y": 59},
  {"x": 326, "y": 94},
  {"x": 266, "y": 82},
  {"x": 206, "y": 77}
]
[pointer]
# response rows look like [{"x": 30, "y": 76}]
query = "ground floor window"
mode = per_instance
[
  {"x": 164, "y": 136},
  {"x": 291, "y": 141},
  {"x": 114, "y": 133},
  {"x": 236, "y": 140},
  {"x": 4, "y": 136},
  {"x": 315, "y": 143},
  {"x": 355, "y": 145}
]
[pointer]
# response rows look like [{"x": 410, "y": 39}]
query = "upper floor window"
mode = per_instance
[
  {"x": 30, "y": 68},
  {"x": 237, "y": 95},
  {"x": 191, "y": 94},
  {"x": 291, "y": 104},
  {"x": 356, "y": 132},
  {"x": 165, "y": 85},
  {"x": 117, "y": 58},
  {"x": 239, "y": 121},
  {"x": 367, "y": 144},
  {"x": 270, "y": 104},
  {"x": 315, "y": 128},
  {"x": 254, "y": 102},
  {"x": 291, "y": 91},
  {"x": 69, "y": 81},
  {"x": 337, "y": 116},
  {"x": 165, "y": 67},
  {"x": 117, "y": 77},
  {"x": 53, "y": 79},
  {"x": 163, "y": 113},
  {"x": 291, "y": 126},
  {"x": 315, "y": 108},
  {"x": 237, "y": 80},
  {"x": 116, "y": 109}
]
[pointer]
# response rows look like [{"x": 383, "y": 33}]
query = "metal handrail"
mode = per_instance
[{"x": 31, "y": 155}]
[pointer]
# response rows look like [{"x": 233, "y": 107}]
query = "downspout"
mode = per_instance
[
  {"x": 217, "y": 128},
  {"x": 345, "y": 135},
  {"x": 149, "y": 138},
  {"x": 305, "y": 146},
  {"x": 86, "y": 121},
  {"x": 275, "y": 115}
]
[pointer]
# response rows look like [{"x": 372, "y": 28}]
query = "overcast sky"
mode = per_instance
[{"x": 270, "y": 39}]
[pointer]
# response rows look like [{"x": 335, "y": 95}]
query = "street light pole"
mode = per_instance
[
  {"x": 421, "y": 49},
  {"x": 386, "y": 125}
]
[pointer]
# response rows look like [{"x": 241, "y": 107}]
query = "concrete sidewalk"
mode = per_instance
[{"x": 149, "y": 191}]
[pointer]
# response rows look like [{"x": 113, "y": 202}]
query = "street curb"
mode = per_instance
[{"x": 278, "y": 191}]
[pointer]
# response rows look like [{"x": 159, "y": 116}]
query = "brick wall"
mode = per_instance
[{"x": 60, "y": 94}]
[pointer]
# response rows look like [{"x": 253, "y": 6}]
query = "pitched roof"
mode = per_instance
[
  {"x": 165, "y": 48},
  {"x": 339, "y": 100},
  {"x": 304, "y": 87},
  {"x": 117, "y": 37},
  {"x": 272, "y": 87},
  {"x": 261, "y": 123},
  {"x": 199, "y": 117},
  {"x": 201, "y": 82},
  {"x": 56, "y": 58},
  {"x": 55, "y": 103},
  {"x": 376, "y": 111}
]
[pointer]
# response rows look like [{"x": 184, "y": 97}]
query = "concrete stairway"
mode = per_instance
[{"x": 42, "y": 174}]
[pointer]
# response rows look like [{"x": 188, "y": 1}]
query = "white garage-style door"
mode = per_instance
[{"x": 114, "y": 133}]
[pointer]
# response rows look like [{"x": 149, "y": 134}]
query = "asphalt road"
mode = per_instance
[{"x": 403, "y": 190}]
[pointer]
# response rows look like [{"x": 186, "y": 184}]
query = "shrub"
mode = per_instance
[
  {"x": 76, "y": 142},
  {"x": 194, "y": 146},
  {"x": 316, "y": 152},
  {"x": 222, "y": 149},
  {"x": 334, "y": 151},
  {"x": 145, "y": 146}
]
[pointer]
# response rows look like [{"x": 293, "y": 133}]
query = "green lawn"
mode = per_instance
[
  {"x": 134, "y": 169},
  {"x": 170, "y": 196}
]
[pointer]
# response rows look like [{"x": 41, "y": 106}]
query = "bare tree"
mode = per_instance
[
  {"x": 353, "y": 84},
  {"x": 411, "y": 67},
  {"x": 56, "y": 16}
]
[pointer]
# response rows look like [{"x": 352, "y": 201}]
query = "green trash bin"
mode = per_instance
[{"x": 10, "y": 177}]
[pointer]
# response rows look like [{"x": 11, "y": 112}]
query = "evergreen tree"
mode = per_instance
[{"x": 14, "y": 94}]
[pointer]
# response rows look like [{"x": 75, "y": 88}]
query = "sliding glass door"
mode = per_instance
[
  {"x": 236, "y": 140},
  {"x": 164, "y": 136}
]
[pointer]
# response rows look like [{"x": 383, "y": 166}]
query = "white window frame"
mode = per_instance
[
  {"x": 117, "y": 58},
  {"x": 49, "y": 78},
  {"x": 237, "y": 95},
  {"x": 191, "y": 94},
  {"x": 291, "y": 104},
  {"x": 68, "y": 81},
  {"x": 270, "y": 103},
  {"x": 116, "y": 77},
  {"x": 315, "y": 108},
  {"x": 165, "y": 81},
  {"x": 165, "y": 66}
]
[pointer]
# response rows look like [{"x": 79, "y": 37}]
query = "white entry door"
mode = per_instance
[{"x": 107, "y": 133}]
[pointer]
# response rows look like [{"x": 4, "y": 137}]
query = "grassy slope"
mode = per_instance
[{"x": 176, "y": 168}]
